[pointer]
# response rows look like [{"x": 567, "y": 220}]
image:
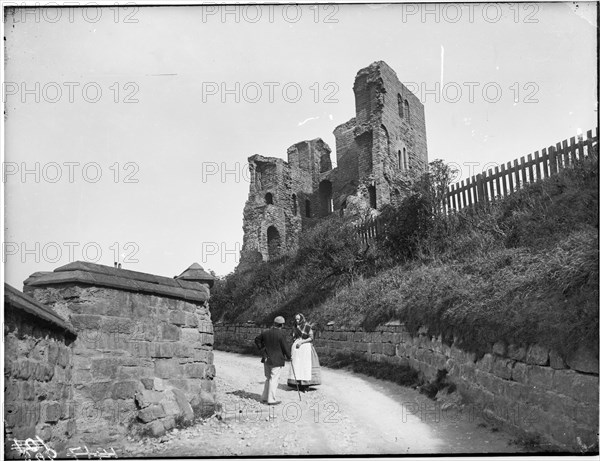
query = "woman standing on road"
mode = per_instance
[{"x": 305, "y": 362}]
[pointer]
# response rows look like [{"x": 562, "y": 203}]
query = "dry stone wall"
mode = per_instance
[{"x": 529, "y": 390}]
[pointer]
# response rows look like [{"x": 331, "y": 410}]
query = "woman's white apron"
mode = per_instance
[{"x": 302, "y": 362}]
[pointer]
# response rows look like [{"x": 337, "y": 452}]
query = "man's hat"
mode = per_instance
[{"x": 279, "y": 319}]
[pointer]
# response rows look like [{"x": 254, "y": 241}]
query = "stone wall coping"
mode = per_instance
[
  {"x": 99, "y": 275},
  {"x": 20, "y": 301}
]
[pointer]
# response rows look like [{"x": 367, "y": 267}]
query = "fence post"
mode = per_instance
[
  {"x": 480, "y": 191},
  {"x": 552, "y": 160}
]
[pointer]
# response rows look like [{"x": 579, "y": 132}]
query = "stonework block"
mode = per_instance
[
  {"x": 519, "y": 372},
  {"x": 376, "y": 348},
  {"x": 540, "y": 376},
  {"x": 51, "y": 412},
  {"x": 503, "y": 368},
  {"x": 184, "y": 405},
  {"x": 151, "y": 413},
  {"x": 104, "y": 367},
  {"x": 556, "y": 361},
  {"x": 516, "y": 391},
  {"x": 499, "y": 348},
  {"x": 389, "y": 349},
  {"x": 165, "y": 350},
  {"x": 194, "y": 370},
  {"x": 146, "y": 398},
  {"x": 490, "y": 382},
  {"x": 168, "y": 423},
  {"x": 169, "y": 332},
  {"x": 125, "y": 389},
  {"x": 167, "y": 368},
  {"x": 583, "y": 388},
  {"x": 516, "y": 352},
  {"x": 190, "y": 335},
  {"x": 98, "y": 390},
  {"x": 177, "y": 317},
  {"x": 584, "y": 360},
  {"x": 191, "y": 320},
  {"x": 86, "y": 322},
  {"x": 537, "y": 355},
  {"x": 52, "y": 353},
  {"x": 117, "y": 325},
  {"x": 64, "y": 355}
]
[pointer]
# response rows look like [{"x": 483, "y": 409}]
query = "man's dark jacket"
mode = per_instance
[{"x": 273, "y": 343}]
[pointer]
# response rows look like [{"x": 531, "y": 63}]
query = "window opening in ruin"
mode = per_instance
[
  {"x": 273, "y": 242},
  {"x": 372, "y": 197},
  {"x": 307, "y": 208},
  {"x": 343, "y": 208},
  {"x": 405, "y": 164},
  {"x": 294, "y": 204},
  {"x": 269, "y": 198},
  {"x": 400, "y": 160},
  {"x": 400, "y": 107},
  {"x": 407, "y": 110},
  {"x": 326, "y": 197}
]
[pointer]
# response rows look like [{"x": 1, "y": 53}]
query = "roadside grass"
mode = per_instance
[{"x": 522, "y": 270}]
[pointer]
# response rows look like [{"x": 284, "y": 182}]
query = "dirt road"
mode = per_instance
[{"x": 347, "y": 414}]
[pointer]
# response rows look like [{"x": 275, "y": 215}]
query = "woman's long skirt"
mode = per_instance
[{"x": 306, "y": 366}]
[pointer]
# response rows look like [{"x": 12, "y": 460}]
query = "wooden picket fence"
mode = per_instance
[
  {"x": 369, "y": 230},
  {"x": 506, "y": 179},
  {"x": 500, "y": 182}
]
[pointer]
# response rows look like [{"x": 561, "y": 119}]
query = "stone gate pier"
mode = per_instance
[{"x": 142, "y": 360}]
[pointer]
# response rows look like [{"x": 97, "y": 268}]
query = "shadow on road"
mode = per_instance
[{"x": 246, "y": 395}]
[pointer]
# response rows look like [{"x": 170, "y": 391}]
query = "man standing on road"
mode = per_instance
[{"x": 276, "y": 351}]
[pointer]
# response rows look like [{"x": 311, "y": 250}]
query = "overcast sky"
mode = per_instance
[{"x": 140, "y": 153}]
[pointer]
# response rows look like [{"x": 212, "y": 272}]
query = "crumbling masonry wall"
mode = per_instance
[{"x": 374, "y": 151}]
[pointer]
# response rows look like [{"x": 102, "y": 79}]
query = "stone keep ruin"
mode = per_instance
[
  {"x": 385, "y": 140},
  {"x": 94, "y": 352}
]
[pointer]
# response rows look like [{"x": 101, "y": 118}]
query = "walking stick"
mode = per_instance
[
  {"x": 297, "y": 387},
  {"x": 295, "y": 379}
]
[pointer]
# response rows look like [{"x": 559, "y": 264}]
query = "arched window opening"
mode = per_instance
[
  {"x": 294, "y": 204},
  {"x": 372, "y": 197},
  {"x": 406, "y": 110},
  {"x": 400, "y": 107},
  {"x": 405, "y": 165},
  {"x": 400, "y": 160},
  {"x": 269, "y": 198},
  {"x": 307, "y": 209},
  {"x": 326, "y": 197},
  {"x": 343, "y": 208},
  {"x": 273, "y": 242}
]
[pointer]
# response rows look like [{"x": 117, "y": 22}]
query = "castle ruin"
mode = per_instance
[{"x": 374, "y": 150}]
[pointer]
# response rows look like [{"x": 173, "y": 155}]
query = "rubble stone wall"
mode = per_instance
[
  {"x": 529, "y": 390},
  {"x": 38, "y": 362},
  {"x": 389, "y": 123},
  {"x": 138, "y": 359}
]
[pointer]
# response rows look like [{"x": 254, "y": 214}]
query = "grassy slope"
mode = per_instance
[{"x": 525, "y": 271}]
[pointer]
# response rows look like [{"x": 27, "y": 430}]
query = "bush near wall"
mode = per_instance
[{"x": 523, "y": 269}]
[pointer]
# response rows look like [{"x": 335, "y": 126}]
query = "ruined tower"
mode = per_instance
[{"x": 386, "y": 139}]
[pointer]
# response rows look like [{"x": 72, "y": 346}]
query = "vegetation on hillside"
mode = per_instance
[{"x": 523, "y": 269}]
